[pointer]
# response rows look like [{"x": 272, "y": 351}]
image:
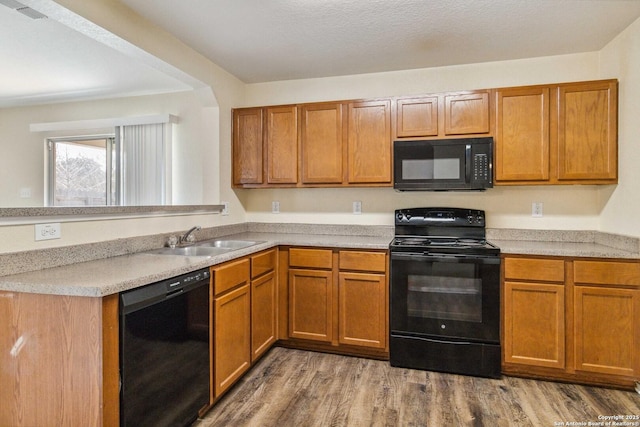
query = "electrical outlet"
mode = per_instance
[
  {"x": 357, "y": 207},
  {"x": 25, "y": 193},
  {"x": 225, "y": 209},
  {"x": 536, "y": 209},
  {"x": 48, "y": 231},
  {"x": 275, "y": 207}
]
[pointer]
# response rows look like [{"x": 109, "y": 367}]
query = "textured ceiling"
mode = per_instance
[{"x": 269, "y": 40}]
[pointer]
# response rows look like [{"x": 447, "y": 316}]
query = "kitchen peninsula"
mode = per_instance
[{"x": 49, "y": 309}]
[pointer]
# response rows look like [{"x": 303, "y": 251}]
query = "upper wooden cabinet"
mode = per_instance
[
  {"x": 444, "y": 115},
  {"x": 265, "y": 146},
  {"x": 588, "y": 131},
  {"x": 557, "y": 134},
  {"x": 547, "y": 134},
  {"x": 417, "y": 117},
  {"x": 369, "y": 142},
  {"x": 326, "y": 144},
  {"x": 466, "y": 113},
  {"x": 522, "y": 132},
  {"x": 281, "y": 145},
  {"x": 247, "y": 146},
  {"x": 321, "y": 142}
]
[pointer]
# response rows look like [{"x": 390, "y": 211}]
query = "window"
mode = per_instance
[
  {"x": 82, "y": 171},
  {"x": 127, "y": 168}
]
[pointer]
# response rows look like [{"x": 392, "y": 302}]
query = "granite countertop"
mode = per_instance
[
  {"x": 117, "y": 272},
  {"x": 563, "y": 249},
  {"x": 108, "y": 276},
  {"x": 565, "y": 243}
]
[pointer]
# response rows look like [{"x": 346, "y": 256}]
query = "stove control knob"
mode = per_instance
[
  {"x": 470, "y": 219},
  {"x": 479, "y": 219}
]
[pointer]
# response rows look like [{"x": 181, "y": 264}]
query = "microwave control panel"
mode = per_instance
[{"x": 481, "y": 168}]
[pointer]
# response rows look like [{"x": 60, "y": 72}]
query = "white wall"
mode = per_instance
[
  {"x": 565, "y": 207},
  {"x": 621, "y": 58},
  {"x": 22, "y": 164},
  {"x": 210, "y": 121}
]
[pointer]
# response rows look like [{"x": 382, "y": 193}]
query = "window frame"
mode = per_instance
[{"x": 112, "y": 149}]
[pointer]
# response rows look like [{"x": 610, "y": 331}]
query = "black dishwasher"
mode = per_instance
[{"x": 164, "y": 351}]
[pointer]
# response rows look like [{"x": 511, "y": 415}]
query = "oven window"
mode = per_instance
[
  {"x": 448, "y": 292},
  {"x": 431, "y": 169}
]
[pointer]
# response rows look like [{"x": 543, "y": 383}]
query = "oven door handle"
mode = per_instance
[{"x": 425, "y": 256}]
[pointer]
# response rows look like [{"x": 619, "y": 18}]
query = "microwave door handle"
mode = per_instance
[{"x": 467, "y": 164}]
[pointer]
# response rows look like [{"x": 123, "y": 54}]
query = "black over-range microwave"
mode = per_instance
[{"x": 444, "y": 164}]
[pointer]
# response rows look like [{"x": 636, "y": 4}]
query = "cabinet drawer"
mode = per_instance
[
  {"x": 363, "y": 261},
  {"x": 230, "y": 275},
  {"x": 549, "y": 270},
  {"x": 312, "y": 258},
  {"x": 606, "y": 273},
  {"x": 263, "y": 263}
]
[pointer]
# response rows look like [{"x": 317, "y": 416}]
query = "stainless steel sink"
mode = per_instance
[
  {"x": 206, "y": 248},
  {"x": 202, "y": 251},
  {"x": 226, "y": 244}
]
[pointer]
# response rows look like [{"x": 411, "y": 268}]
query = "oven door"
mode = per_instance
[{"x": 449, "y": 296}]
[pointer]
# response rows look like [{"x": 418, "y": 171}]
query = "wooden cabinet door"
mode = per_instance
[
  {"x": 417, "y": 117},
  {"x": 607, "y": 330},
  {"x": 263, "y": 314},
  {"x": 369, "y": 142},
  {"x": 534, "y": 324},
  {"x": 231, "y": 337},
  {"x": 282, "y": 145},
  {"x": 311, "y": 304},
  {"x": 587, "y": 131},
  {"x": 321, "y": 143},
  {"x": 522, "y": 134},
  {"x": 363, "y": 310},
  {"x": 467, "y": 113},
  {"x": 247, "y": 146}
]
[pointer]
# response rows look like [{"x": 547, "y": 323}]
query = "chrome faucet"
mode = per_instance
[{"x": 185, "y": 238}]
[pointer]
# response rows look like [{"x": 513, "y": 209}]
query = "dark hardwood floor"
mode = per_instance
[{"x": 301, "y": 388}]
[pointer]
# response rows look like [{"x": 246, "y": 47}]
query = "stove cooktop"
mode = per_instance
[
  {"x": 441, "y": 230},
  {"x": 450, "y": 245}
]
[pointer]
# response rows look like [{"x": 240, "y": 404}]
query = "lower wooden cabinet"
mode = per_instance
[
  {"x": 244, "y": 316},
  {"x": 338, "y": 299},
  {"x": 572, "y": 319},
  {"x": 311, "y": 294},
  {"x": 606, "y": 330},
  {"x": 534, "y": 327},
  {"x": 534, "y": 315},
  {"x": 232, "y": 337},
  {"x": 263, "y": 303},
  {"x": 231, "y": 344},
  {"x": 362, "y": 312},
  {"x": 607, "y": 318}
]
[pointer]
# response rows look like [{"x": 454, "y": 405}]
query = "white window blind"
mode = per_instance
[{"x": 144, "y": 150}]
